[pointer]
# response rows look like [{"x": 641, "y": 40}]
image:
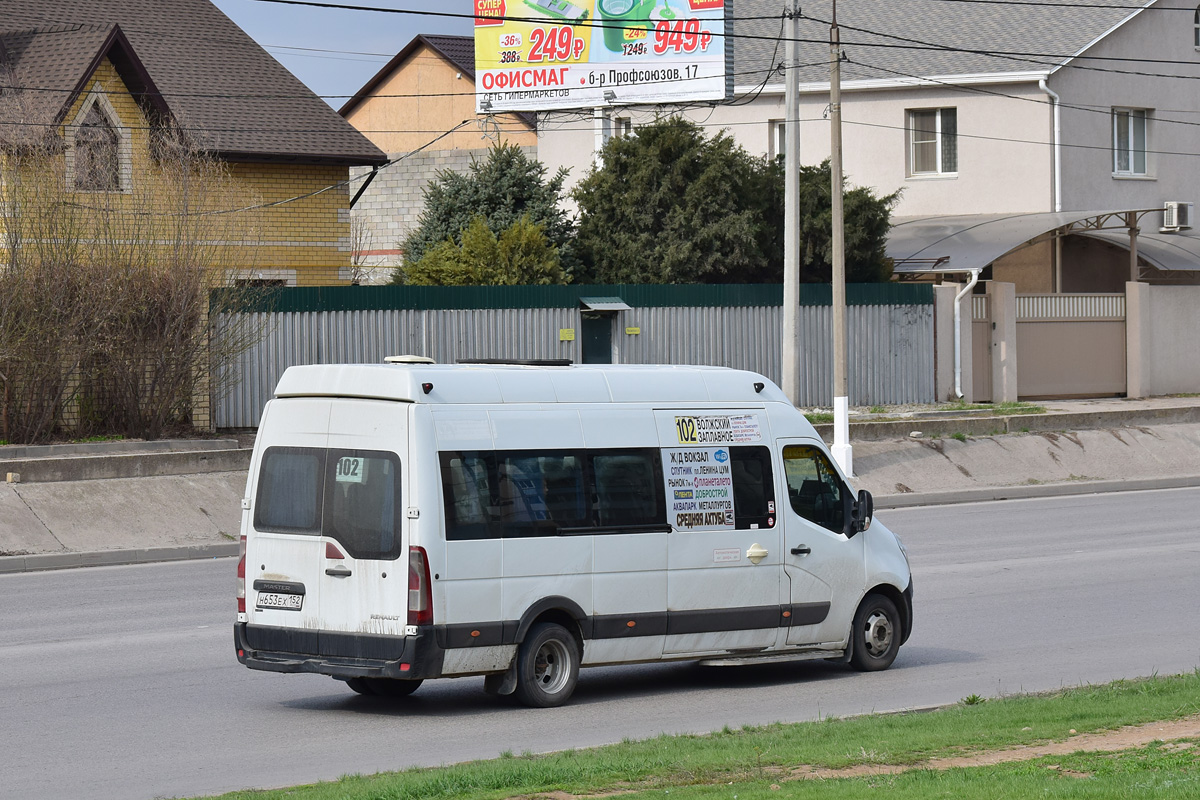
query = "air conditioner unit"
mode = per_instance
[{"x": 1177, "y": 215}]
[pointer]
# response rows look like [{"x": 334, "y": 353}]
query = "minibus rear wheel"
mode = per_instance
[
  {"x": 876, "y": 636},
  {"x": 547, "y": 666}
]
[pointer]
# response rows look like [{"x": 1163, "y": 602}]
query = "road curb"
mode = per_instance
[
  {"x": 990, "y": 425},
  {"x": 125, "y": 465},
  {"x": 1034, "y": 491},
  {"x": 38, "y": 562}
]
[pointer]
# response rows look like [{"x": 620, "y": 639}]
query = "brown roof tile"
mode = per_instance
[{"x": 217, "y": 82}]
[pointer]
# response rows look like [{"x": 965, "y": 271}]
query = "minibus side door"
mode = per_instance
[{"x": 825, "y": 567}]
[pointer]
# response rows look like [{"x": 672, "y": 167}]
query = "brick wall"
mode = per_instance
[{"x": 392, "y": 204}]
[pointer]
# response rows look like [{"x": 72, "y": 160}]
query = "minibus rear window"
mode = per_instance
[
  {"x": 289, "y": 490},
  {"x": 363, "y": 503}
]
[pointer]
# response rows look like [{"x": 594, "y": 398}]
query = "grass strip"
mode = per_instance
[
  {"x": 671, "y": 763},
  {"x": 1157, "y": 770}
]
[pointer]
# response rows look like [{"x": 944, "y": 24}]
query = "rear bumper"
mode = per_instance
[{"x": 339, "y": 655}]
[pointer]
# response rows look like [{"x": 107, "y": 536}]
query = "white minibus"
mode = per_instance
[{"x": 405, "y": 521}]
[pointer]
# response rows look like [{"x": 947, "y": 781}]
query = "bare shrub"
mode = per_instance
[{"x": 106, "y": 296}]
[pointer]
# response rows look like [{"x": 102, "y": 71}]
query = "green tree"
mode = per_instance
[
  {"x": 672, "y": 206},
  {"x": 867, "y": 218},
  {"x": 520, "y": 255},
  {"x": 501, "y": 188}
]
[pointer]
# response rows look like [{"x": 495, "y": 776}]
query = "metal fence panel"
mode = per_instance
[{"x": 890, "y": 346}]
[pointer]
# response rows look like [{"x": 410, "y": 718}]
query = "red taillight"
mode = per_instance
[
  {"x": 241, "y": 576},
  {"x": 420, "y": 592}
]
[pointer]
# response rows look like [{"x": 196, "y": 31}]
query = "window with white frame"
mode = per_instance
[
  {"x": 99, "y": 151},
  {"x": 1129, "y": 141},
  {"x": 1197, "y": 28},
  {"x": 778, "y": 138},
  {"x": 933, "y": 141},
  {"x": 622, "y": 126}
]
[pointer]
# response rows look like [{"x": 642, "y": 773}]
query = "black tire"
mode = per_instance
[
  {"x": 875, "y": 637},
  {"x": 383, "y": 687},
  {"x": 390, "y": 687},
  {"x": 547, "y": 666}
]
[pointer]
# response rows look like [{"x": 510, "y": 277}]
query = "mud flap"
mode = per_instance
[{"x": 502, "y": 683}]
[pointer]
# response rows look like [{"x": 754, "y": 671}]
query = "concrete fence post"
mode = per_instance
[
  {"x": 943, "y": 339},
  {"x": 1004, "y": 341},
  {"x": 1137, "y": 339}
]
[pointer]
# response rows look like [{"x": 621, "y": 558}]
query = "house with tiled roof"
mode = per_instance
[
  {"x": 102, "y": 77},
  {"x": 424, "y": 91},
  {"x": 1026, "y": 120}
]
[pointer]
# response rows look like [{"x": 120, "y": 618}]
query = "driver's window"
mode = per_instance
[{"x": 814, "y": 489}]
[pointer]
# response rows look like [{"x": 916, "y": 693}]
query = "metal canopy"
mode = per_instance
[
  {"x": 1165, "y": 251},
  {"x": 972, "y": 241},
  {"x": 604, "y": 304}
]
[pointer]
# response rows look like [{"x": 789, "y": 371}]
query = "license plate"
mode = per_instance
[{"x": 286, "y": 602}]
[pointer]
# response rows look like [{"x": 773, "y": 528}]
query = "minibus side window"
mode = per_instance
[
  {"x": 629, "y": 488},
  {"x": 363, "y": 502},
  {"x": 539, "y": 493},
  {"x": 753, "y": 487},
  {"x": 289, "y": 490},
  {"x": 468, "y": 497},
  {"x": 814, "y": 489}
]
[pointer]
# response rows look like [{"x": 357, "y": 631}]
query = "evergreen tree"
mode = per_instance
[
  {"x": 519, "y": 256},
  {"x": 672, "y": 206},
  {"x": 501, "y": 188}
]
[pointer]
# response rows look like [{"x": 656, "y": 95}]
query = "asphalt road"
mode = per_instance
[{"x": 121, "y": 682}]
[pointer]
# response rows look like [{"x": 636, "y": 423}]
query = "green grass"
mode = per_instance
[
  {"x": 961, "y": 437},
  {"x": 1154, "y": 771},
  {"x": 819, "y": 417},
  {"x": 1000, "y": 409},
  {"x": 742, "y": 761},
  {"x": 104, "y": 437}
]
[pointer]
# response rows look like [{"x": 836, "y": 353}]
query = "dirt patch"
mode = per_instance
[{"x": 1104, "y": 741}]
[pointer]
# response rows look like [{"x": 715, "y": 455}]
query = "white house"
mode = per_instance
[{"x": 1010, "y": 129}]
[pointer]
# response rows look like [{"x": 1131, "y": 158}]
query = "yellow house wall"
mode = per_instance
[
  {"x": 424, "y": 96},
  {"x": 305, "y": 242}
]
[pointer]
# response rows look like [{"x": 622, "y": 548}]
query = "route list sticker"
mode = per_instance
[{"x": 699, "y": 487}]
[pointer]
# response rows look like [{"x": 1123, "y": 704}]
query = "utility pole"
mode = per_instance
[
  {"x": 843, "y": 453},
  {"x": 790, "y": 349}
]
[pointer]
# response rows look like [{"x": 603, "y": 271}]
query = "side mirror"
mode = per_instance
[{"x": 862, "y": 513}]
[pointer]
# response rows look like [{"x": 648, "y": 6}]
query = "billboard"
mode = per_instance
[{"x": 533, "y": 55}]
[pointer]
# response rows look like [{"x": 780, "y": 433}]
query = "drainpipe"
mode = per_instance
[
  {"x": 958, "y": 392},
  {"x": 1054, "y": 101}
]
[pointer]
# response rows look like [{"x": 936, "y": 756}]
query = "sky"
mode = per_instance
[{"x": 282, "y": 29}]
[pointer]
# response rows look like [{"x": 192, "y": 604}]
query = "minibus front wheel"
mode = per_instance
[
  {"x": 877, "y": 634},
  {"x": 547, "y": 666}
]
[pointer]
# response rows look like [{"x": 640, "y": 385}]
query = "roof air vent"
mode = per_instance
[{"x": 408, "y": 360}]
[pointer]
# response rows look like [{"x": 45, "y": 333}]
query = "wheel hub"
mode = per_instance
[
  {"x": 552, "y": 666},
  {"x": 879, "y": 632}
]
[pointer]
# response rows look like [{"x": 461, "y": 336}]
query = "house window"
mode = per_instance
[
  {"x": 778, "y": 135},
  {"x": 1197, "y": 28},
  {"x": 622, "y": 126},
  {"x": 1129, "y": 141},
  {"x": 97, "y": 153},
  {"x": 933, "y": 141}
]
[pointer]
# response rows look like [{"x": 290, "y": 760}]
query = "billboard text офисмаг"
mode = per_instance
[{"x": 532, "y": 55}]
